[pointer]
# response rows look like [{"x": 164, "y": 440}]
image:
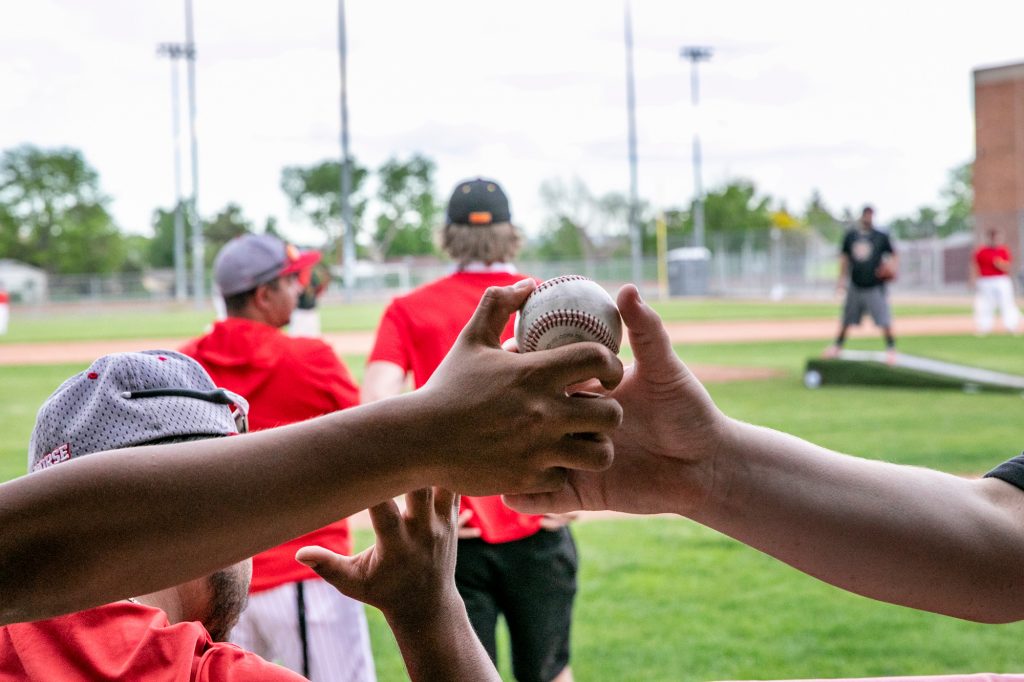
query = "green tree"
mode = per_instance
[
  {"x": 735, "y": 213},
  {"x": 225, "y": 226},
  {"x": 818, "y": 217},
  {"x": 601, "y": 223},
  {"x": 315, "y": 193},
  {"x": 160, "y": 253},
  {"x": 927, "y": 222},
  {"x": 409, "y": 210},
  {"x": 53, "y": 213},
  {"x": 959, "y": 196}
]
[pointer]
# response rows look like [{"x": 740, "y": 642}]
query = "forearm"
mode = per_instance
[
  {"x": 441, "y": 645},
  {"x": 900, "y": 534},
  {"x": 118, "y": 524}
]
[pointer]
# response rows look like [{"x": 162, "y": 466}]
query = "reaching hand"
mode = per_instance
[
  {"x": 411, "y": 568},
  {"x": 665, "y": 449},
  {"x": 509, "y": 424}
]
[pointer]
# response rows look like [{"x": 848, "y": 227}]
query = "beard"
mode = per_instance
[{"x": 229, "y": 590}]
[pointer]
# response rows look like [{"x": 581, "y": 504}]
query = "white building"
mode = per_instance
[{"x": 24, "y": 283}]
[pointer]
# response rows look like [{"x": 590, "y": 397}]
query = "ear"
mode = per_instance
[{"x": 260, "y": 297}]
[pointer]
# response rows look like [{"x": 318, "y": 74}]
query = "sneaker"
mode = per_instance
[
  {"x": 891, "y": 356},
  {"x": 832, "y": 351}
]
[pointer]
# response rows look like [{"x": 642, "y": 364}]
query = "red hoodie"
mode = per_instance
[{"x": 285, "y": 380}]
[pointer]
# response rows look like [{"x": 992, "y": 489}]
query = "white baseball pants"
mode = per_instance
[
  {"x": 337, "y": 638},
  {"x": 991, "y": 293}
]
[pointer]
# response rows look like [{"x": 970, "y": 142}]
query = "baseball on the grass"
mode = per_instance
[{"x": 568, "y": 309}]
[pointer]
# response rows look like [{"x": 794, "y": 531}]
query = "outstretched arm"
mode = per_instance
[
  {"x": 900, "y": 534},
  {"x": 117, "y": 524},
  {"x": 410, "y": 576}
]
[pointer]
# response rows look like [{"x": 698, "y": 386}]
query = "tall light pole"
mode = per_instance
[
  {"x": 696, "y": 55},
  {"x": 198, "y": 258},
  {"x": 348, "y": 235},
  {"x": 636, "y": 246},
  {"x": 176, "y": 51}
]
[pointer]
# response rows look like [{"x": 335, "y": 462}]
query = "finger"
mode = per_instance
[
  {"x": 418, "y": 504},
  {"x": 578, "y": 362},
  {"x": 445, "y": 502},
  {"x": 336, "y": 569},
  {"x": 386, "y": 518},
  {"x": 492, "y": 313},
  {"x": 561, "y": 500},
  {"x": 648, "y": 338},
  {"x": 467, "y": 533},
  {"x": 587, "y": 413},
  {"x": 584, "y": 451},
  {"x": 464, "y": 516}
]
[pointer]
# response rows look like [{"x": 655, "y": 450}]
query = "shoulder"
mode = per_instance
[{"x": 226, "y": 663}]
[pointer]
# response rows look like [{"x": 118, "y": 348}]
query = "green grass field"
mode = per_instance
[{"x": 665, "y": 599}]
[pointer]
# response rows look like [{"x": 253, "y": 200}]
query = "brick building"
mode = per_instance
[{"x": 999, "y": 161}]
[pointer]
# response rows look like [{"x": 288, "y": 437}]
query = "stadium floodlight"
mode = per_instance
[
  {"x": 176, "y": 51},
  {"x": 696, "y": 54},
  {"x": 198, "y": 256},
  {"x": 635, "y": 242}
]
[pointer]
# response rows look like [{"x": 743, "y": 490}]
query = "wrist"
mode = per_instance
[{"x": 420, "y": 617}]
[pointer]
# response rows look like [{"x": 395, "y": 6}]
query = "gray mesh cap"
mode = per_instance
[
  {"x": 250, "y": 260},
  {"x": 129, "y": 399}
]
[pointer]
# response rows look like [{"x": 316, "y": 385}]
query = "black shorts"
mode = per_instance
[{"x": 532, "y": 583}]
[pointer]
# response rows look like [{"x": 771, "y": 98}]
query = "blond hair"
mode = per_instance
[{"x": 495, "y": 243}]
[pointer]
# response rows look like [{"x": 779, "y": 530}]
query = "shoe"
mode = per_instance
[
  {"x": 891, "y": 356},
  {"x": 832, "y": 352}
]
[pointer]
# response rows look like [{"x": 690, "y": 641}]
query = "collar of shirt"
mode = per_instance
[{"x": 480, "y": 266}]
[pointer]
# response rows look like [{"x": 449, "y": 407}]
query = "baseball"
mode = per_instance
[{"x": 568, "y": 309}]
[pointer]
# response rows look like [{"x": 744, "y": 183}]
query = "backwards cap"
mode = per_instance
[
  {"x": 478, "y": 202},
  {"x": 129, "y": 399}
]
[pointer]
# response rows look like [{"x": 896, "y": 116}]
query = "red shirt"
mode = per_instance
[
  {"x": 416, "y": 333},
  {"x": 985, "y": 258},
  {"x": 125, "y": 641},
  {"x": 286, "y": 380}
]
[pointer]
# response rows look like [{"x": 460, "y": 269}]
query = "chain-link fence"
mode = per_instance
[{"x": 788, "y": 263}]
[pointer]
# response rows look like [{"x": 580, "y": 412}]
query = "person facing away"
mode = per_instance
[
  {"x": 293, "y": 616},
  {"x": 128, "y": 400},
  {"x": 521, "y": 566},
  {"x": 867, "y": 261},
  {"x": 993, "y": 286}
]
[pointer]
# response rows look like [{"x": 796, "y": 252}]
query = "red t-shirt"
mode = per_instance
[
  {"x": 126, "y": 641},
  {"x": 416, "y": 333},
  {"x": 286, "y": 380},
  {"x": 985, "y": 258}
]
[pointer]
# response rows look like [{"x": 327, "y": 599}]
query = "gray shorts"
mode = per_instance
[{"x": 860, "y": 300}]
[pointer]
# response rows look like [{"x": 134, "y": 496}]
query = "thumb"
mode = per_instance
[
  {"x": 648, "y": 337},
  {"x": 336, "y": 569},
  {"x": 559, "y": 501},
  {"x": 491, "y": 315}
]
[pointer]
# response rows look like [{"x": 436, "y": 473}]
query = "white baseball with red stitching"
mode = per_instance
[{"x": 568, "y": 309}]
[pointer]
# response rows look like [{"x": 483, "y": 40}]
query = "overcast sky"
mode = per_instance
[{"x": 866, "y": 101}]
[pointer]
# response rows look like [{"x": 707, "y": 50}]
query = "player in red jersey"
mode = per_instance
[
  {"x": 993, "y": 285},
  {"x": 293, "y": 616},
  {"x": 522, "y": 566}
]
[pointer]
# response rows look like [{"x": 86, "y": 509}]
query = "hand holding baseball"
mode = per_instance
[
  {"x": 668, "y": 439},
  {"x": 510, "y": 425}
]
